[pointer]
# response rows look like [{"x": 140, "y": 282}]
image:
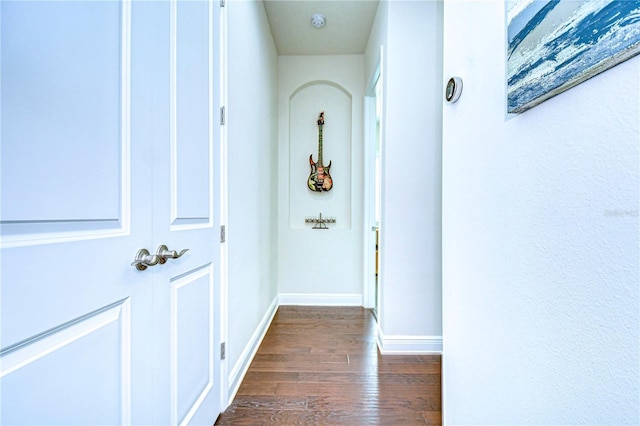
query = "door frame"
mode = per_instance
[
  {"x": 369, "y": 152},
  {"x": 369, "y": 200},
  {"x": 223, "y": 84}
]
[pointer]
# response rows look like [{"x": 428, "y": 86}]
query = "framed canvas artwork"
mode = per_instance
[{"x": 554, "y": 45}]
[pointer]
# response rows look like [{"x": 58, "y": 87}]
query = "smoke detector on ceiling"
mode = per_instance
[{"x": 317, "y": 20}]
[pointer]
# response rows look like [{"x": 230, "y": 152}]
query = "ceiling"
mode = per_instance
[{"x": 348, "y": 24}]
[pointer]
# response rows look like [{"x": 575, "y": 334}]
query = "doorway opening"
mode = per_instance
[
  {"x": 373, "y": 192},
  {"x": 377, "y": 193}
]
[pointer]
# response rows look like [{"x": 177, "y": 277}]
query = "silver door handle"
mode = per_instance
[
  {"x": 164, "y": 253},
  {"x": 144, "y": 259}
]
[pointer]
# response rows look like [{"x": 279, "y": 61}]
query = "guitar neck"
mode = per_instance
[{"x": 320, "y": 146}]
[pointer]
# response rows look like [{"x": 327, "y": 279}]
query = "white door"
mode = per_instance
[
  {"x": 186, "y": 192},
  {"x": 87, "y": 338}
]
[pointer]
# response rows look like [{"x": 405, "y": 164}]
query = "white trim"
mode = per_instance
[
  {"x": 320, "y": 299},
  {"x": 223, "y": 203},
  {"x": 173, "y": 107},
  {"x": 246, "y": 357},
  {"x": 125, "y": 330},
  {"x": 51, "y": 340},
  {"x": 369, "y": 154},
  {"x": 383, "y": 141},
  {"x": 125, "y": 116},
  {"x": 368, "y": 259},
  {"x": 212, "y": 115},
  {"x": 408, "y": 345}
]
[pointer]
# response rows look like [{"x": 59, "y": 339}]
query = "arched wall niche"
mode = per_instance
[
  {"x": 305, "y": 104},
  {"x": 320, "y": 267}
]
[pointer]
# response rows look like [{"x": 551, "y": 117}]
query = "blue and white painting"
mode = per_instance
[{"x": 554, "y": 45}]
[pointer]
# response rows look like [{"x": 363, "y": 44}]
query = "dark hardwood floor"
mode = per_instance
[{"x": 320, "y": 366}]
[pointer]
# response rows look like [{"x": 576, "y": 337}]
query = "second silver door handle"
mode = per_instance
[
  {"x": 164, "y": 253},
  {"x": 144, "y": 259}
]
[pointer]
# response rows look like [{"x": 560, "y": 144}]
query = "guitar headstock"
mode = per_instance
[{"x": 321, "y": 119}]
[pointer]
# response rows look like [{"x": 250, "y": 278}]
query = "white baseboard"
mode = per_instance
[
  {"x": 409, "y": 345},
  {"x": 242, "y": 365},
  {"x": 320, "y": 299}
]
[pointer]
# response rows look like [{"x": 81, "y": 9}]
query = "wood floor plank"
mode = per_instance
[
  {"x": 321, "y": 366},
  {"x": 260, "y": 402},
  {"x": 355, "y": 390},
  {"x": 263, "y": 388},
  {"x": 432, "y": 417}
]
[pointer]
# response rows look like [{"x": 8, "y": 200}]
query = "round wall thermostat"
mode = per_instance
[{"x": 454, "y": 89}]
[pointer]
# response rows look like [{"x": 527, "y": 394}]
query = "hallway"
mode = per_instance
[
  {"x": 320, "y": 366},
  {"x": 500, "y": 249}
]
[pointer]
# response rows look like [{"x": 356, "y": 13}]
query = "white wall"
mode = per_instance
[
  {"x": 377, "y": 38},
  {"x": 540, "y": 241},
  {"x": 320, "y": 266},
  {"x": 252, "y": 162},
  {"x": 410, "y": 264}
]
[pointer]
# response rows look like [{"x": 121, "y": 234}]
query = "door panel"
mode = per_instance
[
  {"x": 94, "y": 166},
  {"x": 74, "y": 313},
  {"x": 186, "y": 290},
  {"x": 60, "y": 105},
  {"x": 192, "y": 350},
  {"x": 191, "y": 131},
  {"x": 100, "y": 385},
  {"x": 65, "y": 115}
]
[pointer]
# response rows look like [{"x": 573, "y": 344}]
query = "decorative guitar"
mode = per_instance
[{"x": 319, "y": 179}]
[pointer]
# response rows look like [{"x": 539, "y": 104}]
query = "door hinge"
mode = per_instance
[
  {"x": 222, "y": 116},
  {"x": 221, "y": 3},
  {"x": 223, "y": 350},
  {"x": 223, "y": 233}
]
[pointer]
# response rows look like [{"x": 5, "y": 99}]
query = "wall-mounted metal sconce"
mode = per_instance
[{"x": 320, "y": 222}]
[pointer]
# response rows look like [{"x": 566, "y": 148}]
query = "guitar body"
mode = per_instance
[{"x": 319, "y": 179}]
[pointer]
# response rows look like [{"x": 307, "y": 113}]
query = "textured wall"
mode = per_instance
[
  {"x": 410, "y": 264},
  {"x": 252, "y": 124},
  {"x": 540, "y": 241}
]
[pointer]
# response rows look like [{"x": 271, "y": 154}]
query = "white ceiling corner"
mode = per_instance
[{"x": 348, "y": 24}]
